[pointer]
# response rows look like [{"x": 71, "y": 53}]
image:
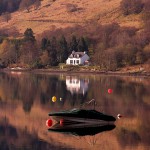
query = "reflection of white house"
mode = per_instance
[
  {"x": 76, "y": 85},
  {"x": 77, "y": 58}
]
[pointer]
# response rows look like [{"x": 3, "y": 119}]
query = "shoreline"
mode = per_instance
[{"x": 53, "y": 71}]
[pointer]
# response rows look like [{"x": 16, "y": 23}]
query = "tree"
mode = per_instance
[
  {"x": 52, "y": 52},
  {"x": 29, "y": 53},
  {"x": 146, "y": 16},
  {"x": 44, "y": 43},
  {"x": 9, "y": 6},
  {"x": 44, "y": 58},
  {"x": 82, "y": 46},
  {"x": 25, "y": 4},
  {"x": 71, "y": 7},
  {"x": 140, "y": 57},
  {"x": 73, "y": 44},
  {"x": 131, "y": 6},
  {"x": 37, "y": 4},
  {"x": 62, "y": 50},
  {"x": 6, "y": 16},
  {"x": 129, "y": 54},
  {"x": 29, "y": 35},
  {"x": 7, "y": 53}
]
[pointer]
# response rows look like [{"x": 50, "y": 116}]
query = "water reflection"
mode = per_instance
[
  {"x": 14, "y": 139},
  {"x": 81, "y": 130},
  {"x": 76, "y": 85},
  {"x": 25, "y": 101}
]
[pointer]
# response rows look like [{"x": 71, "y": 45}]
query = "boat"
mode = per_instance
[
  {"x": 82, "y": 116},
  {"x": 81, "y": 129}
]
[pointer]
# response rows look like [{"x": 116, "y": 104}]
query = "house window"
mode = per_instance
[
  {"x": 71, "y": 61},
  {"x": 77, "y": 61}
]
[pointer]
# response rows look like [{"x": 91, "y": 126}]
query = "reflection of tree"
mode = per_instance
[
  {"x": 127, "y": 137},
  {"x": 15, "y": 139},
  {"x": 27, "y": 106}
]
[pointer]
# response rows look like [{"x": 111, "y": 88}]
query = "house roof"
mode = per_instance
[{"x": 77, "y": 54}]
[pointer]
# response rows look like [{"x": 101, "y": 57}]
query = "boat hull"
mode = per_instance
[{"x": 81, "y": 115}]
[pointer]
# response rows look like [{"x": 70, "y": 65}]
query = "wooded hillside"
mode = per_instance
[{"x": 115, "y": 33}]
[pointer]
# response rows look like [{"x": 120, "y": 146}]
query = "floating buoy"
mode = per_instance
[
  {"x": 119, "y": 116},
  {"x": 54, "y": 99},
  {"x": 61, "y": 122},
  {"x": 110, "y": 91},
  {"x": 49, "y": 123}
]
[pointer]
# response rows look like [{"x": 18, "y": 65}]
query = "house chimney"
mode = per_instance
[{"x": 73, "y": 52}]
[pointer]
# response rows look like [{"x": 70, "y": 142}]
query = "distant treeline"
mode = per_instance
[
  {"x": 48, "y": 52},
  {"x": 13, "y": 5}
]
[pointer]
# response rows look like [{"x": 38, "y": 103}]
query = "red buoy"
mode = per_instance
[
  {"x": 49, "y": 123},
  {"x": 110, "y": 91}
]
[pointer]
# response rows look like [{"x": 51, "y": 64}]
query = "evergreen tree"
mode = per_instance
[
  {"x": 73, "y": 44},
  {"x": 28, "y": 35},
  {"x": 63, "y": 50},
  {"x": 52, "y": 53},
  {"x": 82, "y": 46},
  {"x": 44, "y": 43}
]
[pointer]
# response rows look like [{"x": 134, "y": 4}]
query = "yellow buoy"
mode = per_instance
[{"x": 54, "y": 99}]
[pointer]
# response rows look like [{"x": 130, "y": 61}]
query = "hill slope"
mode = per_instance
[{"x": 61, "y": 13}]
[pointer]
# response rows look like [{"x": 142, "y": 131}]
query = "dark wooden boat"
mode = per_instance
[{"x": 82, "y": 115}]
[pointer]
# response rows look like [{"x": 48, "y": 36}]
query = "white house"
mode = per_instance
[
  {"x": 77, "y": 58},
  {"x": 76, "y": 85}
]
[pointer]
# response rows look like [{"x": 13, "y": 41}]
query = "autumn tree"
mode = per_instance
[
  {"x": 25, "y": 4},
  {"x": 129, "y": 54},
  {"x": 7, "y": 53},
  {"x": 140, "y": 57},
  {"x": 131, "y": 6},
  {"x": 29, "y": 53},
  {"x": 146, "y": 51},
  {"x": 28, "y": 48},
  {"x": 44, "y": 58},
  {"x": 146, "y": 16},
  {"x": 37, "y": 4}
]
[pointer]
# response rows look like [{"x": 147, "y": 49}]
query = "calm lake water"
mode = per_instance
[{"x": 26, "y": 100}]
